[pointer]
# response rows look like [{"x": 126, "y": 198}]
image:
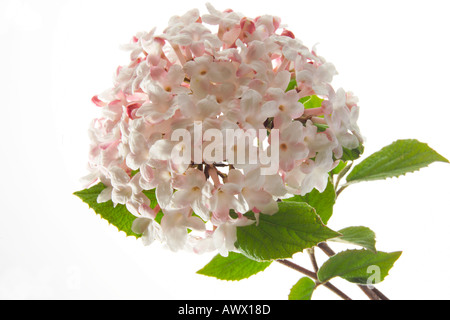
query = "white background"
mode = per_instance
[{"x": 55, "y": 55}]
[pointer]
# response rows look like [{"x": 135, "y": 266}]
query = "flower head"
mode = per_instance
[{"x": 207, "y": 84}]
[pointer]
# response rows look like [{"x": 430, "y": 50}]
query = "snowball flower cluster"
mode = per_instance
[{"x": 234, "y": 78}]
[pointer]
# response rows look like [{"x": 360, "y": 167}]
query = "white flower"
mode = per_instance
[
  {"x": 156, "y": 174},
  {"x": 146, "y": 225},
  {"x": 175, "y": 225},
  {"x": 292, "y": 146},
  {"x": 317, "y": 77},
  {"x": 233, "y": 79},
  {"x": 316, "y": 175},
  {"x": 126, "y": 190},
  {"x": 225, "y": 237},
  {"x": 193, "y": 192}
]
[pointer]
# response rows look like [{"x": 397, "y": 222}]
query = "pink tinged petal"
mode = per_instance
[
  {"x": 105, "y": 195},
  {"x": 239, "y": 204},
  {"x": 236, "y": 177},
  {"x": 132, "y": 108},
  {"x": 269, "y": 109},
  {"x": 164, "y": 193},
  {"x": 231, "y": 188},
  {"x": 348, "y": 140},
  {"x": 195, "y": 223},
  {"x": 254, "y": 179},
  {"x": 200, "y": 86},
  {"x": 198, "y": 48},
  {"x": 121, "y": 195},
  {"x": 256, "y": 198},
  {"x": 119, "y": 177},
  {"x": 247, "y": 26},
  {"x": 326, "y": 72},
  {"x": 162, "y": 150},
  {"x": 229, "y": 37},
  {"x": 151, "y": 234},
  {"x": 140, "y": 225},
  {"x": 275, "y": 185},
  {"x": 135, "y": 161},
  {"x": 147, "y": 180},
  {"x": 173, "y": 225},
  {"x": 134, "y": 183},
  {"x": 271, "y": 208},
  {"x": 182, "y": 198},
  {"x": 294, "y": 132},
  {"x": 220, "y": 206},
  {"x": 208, "y": 107},
  {"x": 256, "y": 50},
  {"x": 178, "y": 167},
  {"x": 147, "y": 212},
  {"x": 89, "y": 179},
  {"x": 176, "y": 238},
  {"x": 243, "y": 70},
  {"x": 219, "y": 241},
  {"x": 307, "y": 185},
  {"x": 195, "y": 178},
  {"x": 286, "y": 163},
  {"x": 282, "y": 79},
  {"x": 288, "y": 33},
  {"x": 296, "y": 110},
  {"x": 201, "y": 209},
  {"x": 175, "y": 75},
  {"x": 182, "y": 39},
  {"x": 224, "y": 238},
  {"x": 250, "y": 101},
  {"x": 98, "y": 102},
  {"x": 304, "y": 76}
]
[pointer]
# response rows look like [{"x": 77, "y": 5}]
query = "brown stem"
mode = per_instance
[
  {"x": 313, "y": 275},
  {"x": 312, "y": 257},
  {"x": 379, "y": 294},
  {"x": 369, "y": 292},
  {"x": 340, "y": 190},
  {"x": 298, "y": 268}
]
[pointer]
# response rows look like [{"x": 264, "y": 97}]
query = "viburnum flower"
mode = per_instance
[{"x": 248, "y": 77}]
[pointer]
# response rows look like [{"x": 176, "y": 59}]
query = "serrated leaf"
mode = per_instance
[
  {"x": 358, "y": 266},
  {"x": 295, "y": 227},
  {"x": 322, "y": 202},
  {"x": 361, "y": 236},
  {"x": 397, "y": 159},
  {"x": 235, "y": 267},
  {"x": 118, "y": 216},
  {"x": 303, "y": 289}
]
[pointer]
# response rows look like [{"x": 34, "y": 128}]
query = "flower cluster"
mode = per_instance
[{"x": 235, "y": 78}]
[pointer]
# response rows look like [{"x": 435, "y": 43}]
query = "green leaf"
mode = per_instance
[
  {"x": 361, "y": 236},
  {"x": 321, "y": 127},
  {"x": 352, "y": 154},
  {"x": 118, "y": 216},
  {"x": 303, "y": 289},
  {"x": 341, "y": 166},
  {"x": 358, "y": 266},
  {"x": 397, "y": 159},
  {"x": 295, "y": 227},
  {"x": 322, "y": 202},
  {"x": 235, "y": 267},
  {"x": 292, "y": 84},
  {"x": 311, "y": 102}
]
